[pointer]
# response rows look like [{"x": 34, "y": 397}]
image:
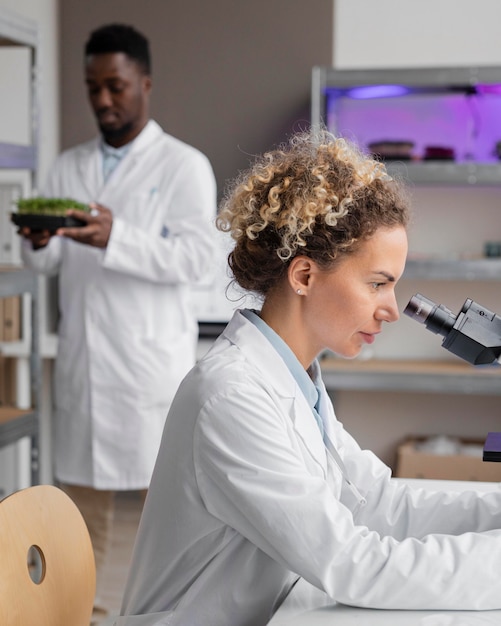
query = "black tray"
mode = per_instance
[{"x": 38, "y": 222}]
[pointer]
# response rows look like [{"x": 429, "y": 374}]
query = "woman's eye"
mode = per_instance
[{"x": 377, "y": 285}]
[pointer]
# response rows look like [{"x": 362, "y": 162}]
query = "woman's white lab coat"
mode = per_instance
[
  {"x": 127, "y": 332},
  {"x": 245, "y": 499}
]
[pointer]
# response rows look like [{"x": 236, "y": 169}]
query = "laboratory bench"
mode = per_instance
[{"x": 339, "y": 615}]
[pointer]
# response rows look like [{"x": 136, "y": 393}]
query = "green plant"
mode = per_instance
[{"x": 49, "y": 206}]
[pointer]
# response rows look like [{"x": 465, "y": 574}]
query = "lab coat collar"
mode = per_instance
[
  {"x": 260, "y": 353},
  {"x": 90, "y": 160}
]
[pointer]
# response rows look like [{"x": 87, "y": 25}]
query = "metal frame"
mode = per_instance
[
  {"x": 21, "y": 31},
  {"x": 411, "y": 376},
  {"x": 16, "y": 282}
]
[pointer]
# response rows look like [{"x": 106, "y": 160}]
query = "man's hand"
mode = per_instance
[
  {"x": 39, "y": 238},
  {"x": 97, "y": 229}
]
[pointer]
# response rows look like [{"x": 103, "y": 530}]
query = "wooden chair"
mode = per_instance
[{"x": 47, "y": 571}]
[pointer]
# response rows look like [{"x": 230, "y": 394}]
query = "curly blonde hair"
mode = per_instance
[{"x": 317, "y": 196}]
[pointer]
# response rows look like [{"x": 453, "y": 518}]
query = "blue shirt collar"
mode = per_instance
[
  {"x": 301, "y": 376},
  {"x": 108, "y": 150}
]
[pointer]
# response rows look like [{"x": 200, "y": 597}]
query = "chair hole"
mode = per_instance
[{"x": 36, "y": 564}]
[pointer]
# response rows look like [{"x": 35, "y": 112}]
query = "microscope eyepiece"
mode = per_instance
[
  {"x": 435, "y": 317},
  {"x": 474, "y": 334},
  {"x": 419, "y": 308}
]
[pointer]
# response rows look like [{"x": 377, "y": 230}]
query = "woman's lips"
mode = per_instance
[{"x": 369, "y": 337}]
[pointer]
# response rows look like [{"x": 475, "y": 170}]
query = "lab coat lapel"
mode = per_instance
[
  {"x": 89, "y": 166},
  {"x": 307, "y": 428},
  {"x": 151, "y": 132},
  {"x": 261, "y": 353}
]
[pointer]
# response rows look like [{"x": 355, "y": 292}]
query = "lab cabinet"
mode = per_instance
[{"x": 434, "y": 128}]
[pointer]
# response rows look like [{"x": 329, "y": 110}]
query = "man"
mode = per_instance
[{"x": 127, "y": 334}]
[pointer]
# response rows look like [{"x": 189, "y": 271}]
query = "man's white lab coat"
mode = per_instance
[
  {"x": 127, "y": 333},
  {"x": 245, "y": 499}
]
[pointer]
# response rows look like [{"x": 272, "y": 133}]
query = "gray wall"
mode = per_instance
[{"x": 231, "y": 77}]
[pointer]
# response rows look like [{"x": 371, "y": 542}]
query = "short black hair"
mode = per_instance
[{"x": 121, "y": 38}]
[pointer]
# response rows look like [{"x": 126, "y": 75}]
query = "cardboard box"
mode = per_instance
[
  {"x": 414, "y": 463},
  {"x": 8, "y": 381},
  {"x": 11, "y": 319}
]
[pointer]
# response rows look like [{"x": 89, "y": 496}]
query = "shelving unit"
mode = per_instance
[
  {"x": 454, "y": 269},
  {"x": 400, "y": 99},
  {"x": 19, "y": 422},
  {"x": 333, "y": 89},
  {"x": 16, "y": 423},
  {"x": 20, "y": 31}
]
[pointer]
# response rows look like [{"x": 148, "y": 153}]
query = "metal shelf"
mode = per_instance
[
  {"x": 430, "y": 81},
  {"x": 13, "y": 156},
  {"x": 446, "y": 172},
  {"x": 15, "y": 281},
  {"x": 454, "y": 269},
  {"x": 21, "y": 31},
  {"x": 411, "y": 376},
  {"x": 16, "y": 30},
  {"x": 17, "y": 423}
]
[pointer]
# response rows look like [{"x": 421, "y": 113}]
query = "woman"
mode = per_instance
[{"x": 257, "y": 484}]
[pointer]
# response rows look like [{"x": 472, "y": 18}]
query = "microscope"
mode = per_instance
[{"x": 474, "y": 334}]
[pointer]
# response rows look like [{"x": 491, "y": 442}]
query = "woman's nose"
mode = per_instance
[{"x": 389, "y": 310}]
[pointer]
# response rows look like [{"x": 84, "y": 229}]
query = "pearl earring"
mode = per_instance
[{"x": 298, "y": 291}]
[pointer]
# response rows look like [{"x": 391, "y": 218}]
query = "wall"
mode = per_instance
[
  {"x": 405, "y": 33},
  {"x": 231, "y": 78},
  {"x": 447, "y": 221}
]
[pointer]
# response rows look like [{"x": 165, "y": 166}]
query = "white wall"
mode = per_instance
[
  {"x": 410, "y": 33},
  {"x": 455, "y": 220}
]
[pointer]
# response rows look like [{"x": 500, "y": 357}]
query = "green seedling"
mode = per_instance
[{"x": 49, "y": 206}]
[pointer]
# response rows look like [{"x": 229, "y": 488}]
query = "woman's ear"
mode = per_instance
[{"x": 299, "y": 273}]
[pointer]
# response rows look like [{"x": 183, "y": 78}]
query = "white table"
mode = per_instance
[
  {"x": 338, "y": 615},
  {"x": 294, "y": 613}
]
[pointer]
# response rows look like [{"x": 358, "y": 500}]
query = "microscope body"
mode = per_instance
[{"x": 474, "y": 335}]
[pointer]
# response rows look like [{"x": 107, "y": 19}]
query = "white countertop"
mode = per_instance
[
  {"x": 337, "y": 615},
  {"x": 294, "y": 613}
]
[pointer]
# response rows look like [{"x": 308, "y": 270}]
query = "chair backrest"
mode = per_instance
[{"x": 47, "y": 571}]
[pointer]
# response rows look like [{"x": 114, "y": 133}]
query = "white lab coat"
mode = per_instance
[
  {"x": 127, "y": 333},
  {"x": 244, "y": 501}
]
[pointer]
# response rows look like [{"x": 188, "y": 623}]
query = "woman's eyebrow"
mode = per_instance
[{"x": 389, "y": 277}]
